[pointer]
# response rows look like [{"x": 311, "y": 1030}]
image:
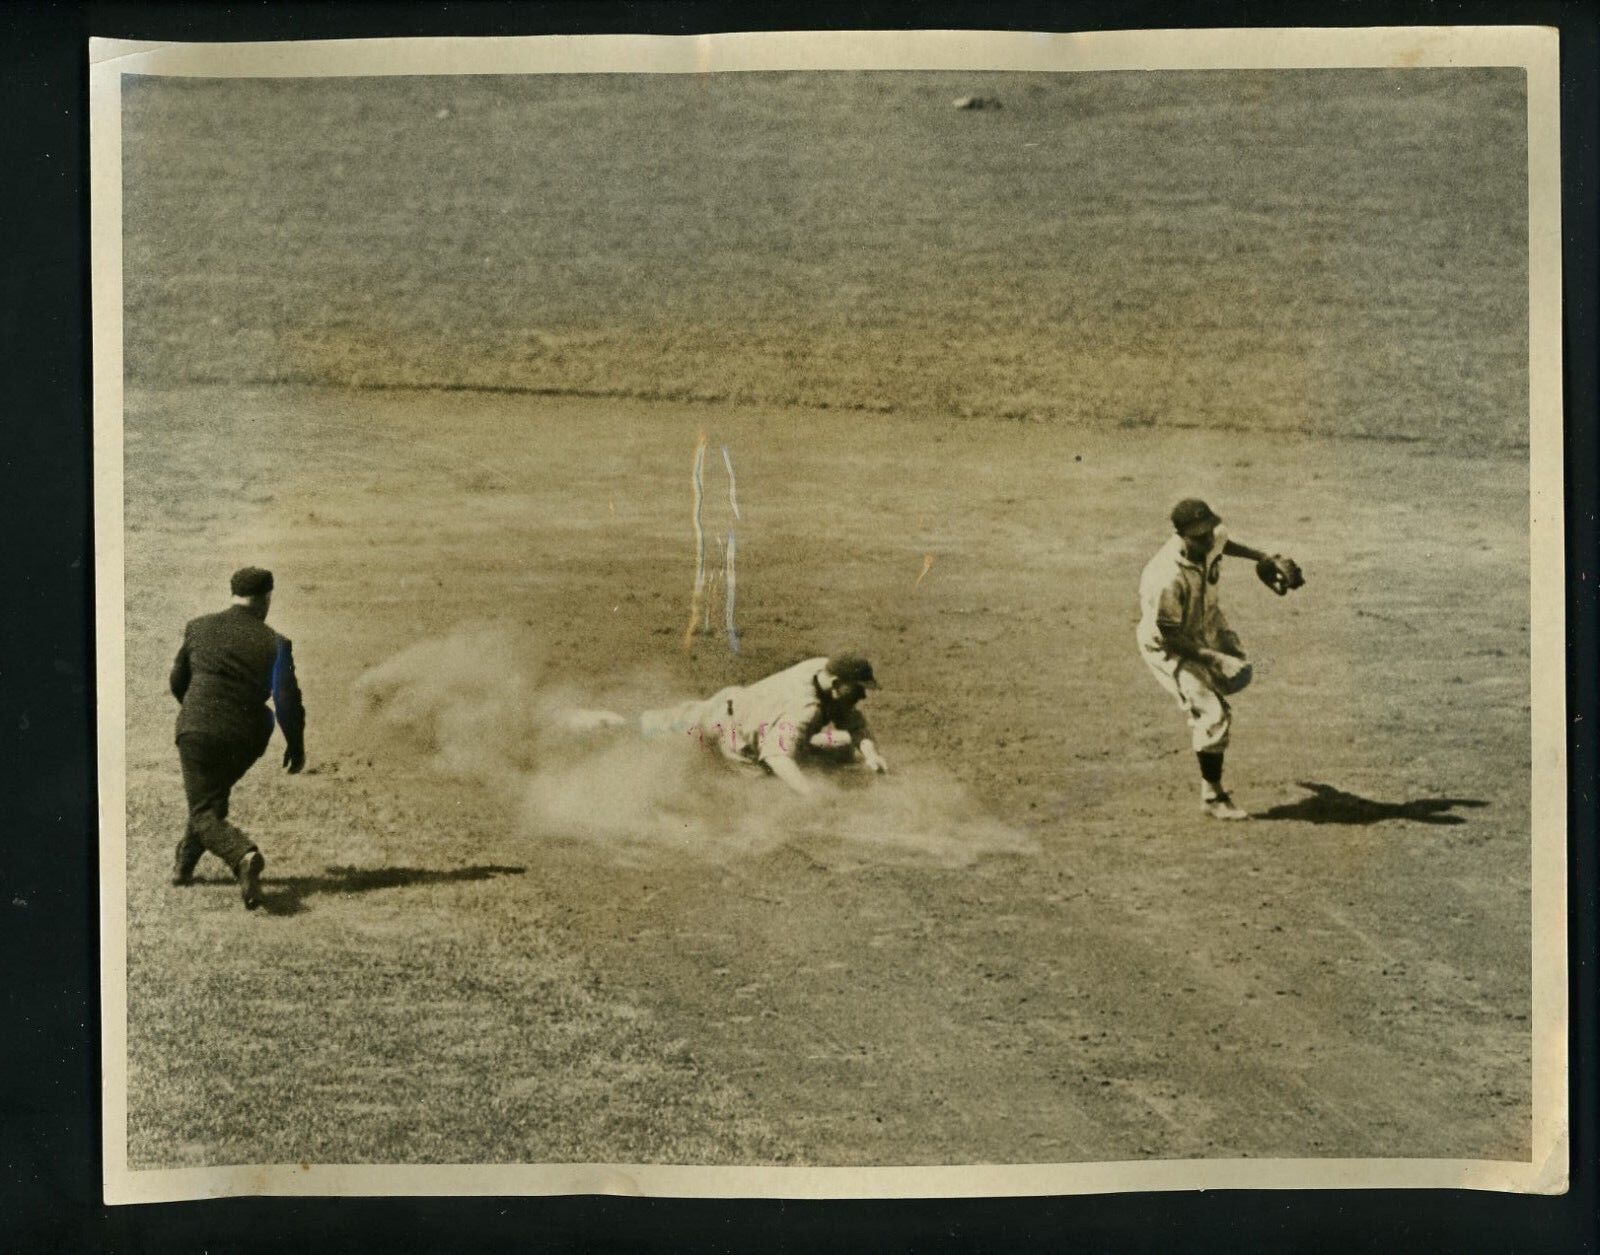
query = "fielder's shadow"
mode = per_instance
[
  {"x": 286, "y": 896},
  {"x": 1328, "y": 805}
]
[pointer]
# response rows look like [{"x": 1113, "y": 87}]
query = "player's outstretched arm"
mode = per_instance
[
  {"x": 866, "y": 744},
  {"x": 1277, "y": 572}
]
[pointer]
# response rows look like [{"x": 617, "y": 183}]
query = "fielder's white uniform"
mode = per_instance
[
  {"x": 1179, "y": 593},
  {"x": 773, "y": 718}
]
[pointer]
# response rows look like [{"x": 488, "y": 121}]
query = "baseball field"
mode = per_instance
[{"x": 439, "y": 353}]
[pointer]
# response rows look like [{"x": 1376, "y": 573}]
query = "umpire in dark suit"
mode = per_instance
[{"x": 230, "y": 664}]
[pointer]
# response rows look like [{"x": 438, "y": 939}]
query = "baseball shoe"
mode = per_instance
[
  {"x": 1221, "y": 807},
  {"x": 249, "y": 874}
]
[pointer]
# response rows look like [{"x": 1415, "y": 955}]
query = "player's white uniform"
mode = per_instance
[
  {"x": 775, "y": 717},
  {"x": 1183, "y": 594}
]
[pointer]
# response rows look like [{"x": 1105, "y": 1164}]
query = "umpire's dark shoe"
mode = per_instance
[
  {"x": 249, "y": 874},
  {"x": 184, "y": 861}
]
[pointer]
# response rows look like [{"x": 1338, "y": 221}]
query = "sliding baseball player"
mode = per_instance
[{"x": 808, "y": 711}]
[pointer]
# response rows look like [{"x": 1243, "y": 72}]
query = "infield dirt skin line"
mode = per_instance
[{"x": 1022, "y": 1007}]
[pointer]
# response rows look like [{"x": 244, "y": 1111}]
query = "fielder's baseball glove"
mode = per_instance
[{"x": 1280, "y": 574}]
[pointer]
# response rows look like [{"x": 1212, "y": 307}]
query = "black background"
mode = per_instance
[{"x": 50, "y": 1195}]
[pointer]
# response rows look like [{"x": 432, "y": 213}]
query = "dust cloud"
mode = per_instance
[{"x": 482, "y": 704}]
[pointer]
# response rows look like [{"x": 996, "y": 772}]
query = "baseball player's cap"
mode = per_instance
[
  {"x": 853, "y": 668},
  {"x": 251, "y": 581},
  {"x": 1192, "y": 512}
]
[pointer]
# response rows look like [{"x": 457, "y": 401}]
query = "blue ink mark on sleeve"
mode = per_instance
[{"x": 285, "y": 707}]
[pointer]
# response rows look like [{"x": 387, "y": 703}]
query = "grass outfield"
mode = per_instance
[{"x": 1337, "y": 252}]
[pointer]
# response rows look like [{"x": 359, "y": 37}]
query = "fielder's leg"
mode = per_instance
[{"x": 1210, "y": 722}]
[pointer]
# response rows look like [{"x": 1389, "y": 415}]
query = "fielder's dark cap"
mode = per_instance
[
  {"x": 251, "y": 581},
  {"x": 853, "y": 668},
  {"x": 1193, "y": 512}
]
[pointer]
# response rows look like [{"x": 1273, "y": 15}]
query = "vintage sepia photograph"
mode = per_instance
[{"x": 885, "y": 614}]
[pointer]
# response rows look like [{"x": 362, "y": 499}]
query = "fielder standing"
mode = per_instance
[
  {"x": 228, "y": 667},
  {"x": 1186, "y": 641}
]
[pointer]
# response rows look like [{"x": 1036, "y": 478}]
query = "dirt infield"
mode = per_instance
[{"x": 442, "y": 977}]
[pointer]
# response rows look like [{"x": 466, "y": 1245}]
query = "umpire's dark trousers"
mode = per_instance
[{"x": 211, "y": 767}]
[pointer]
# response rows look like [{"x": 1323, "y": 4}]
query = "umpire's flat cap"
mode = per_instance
[
  {"x": 251, "y": 581},
  {"x": 853, "y": 668}
]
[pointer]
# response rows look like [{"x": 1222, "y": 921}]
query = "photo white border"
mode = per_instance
[{"x": 1534, "y": 49}]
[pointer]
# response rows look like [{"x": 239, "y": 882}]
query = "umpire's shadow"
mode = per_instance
[
  {"x": 286, "y": 896},
  {"x": 1328, "y": 805}
]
